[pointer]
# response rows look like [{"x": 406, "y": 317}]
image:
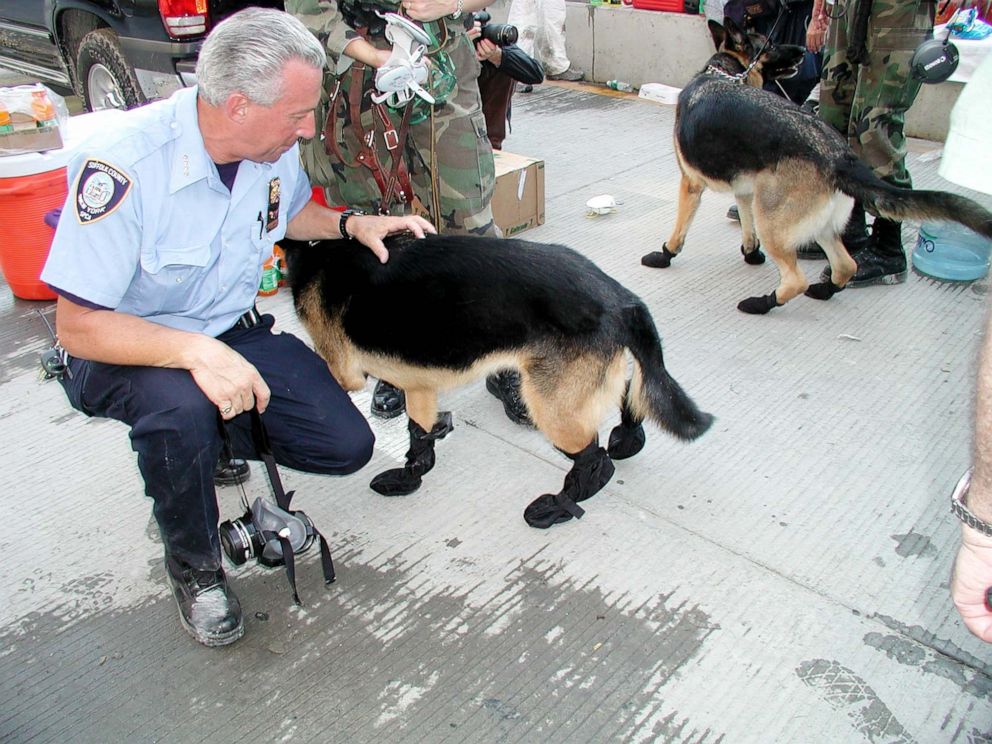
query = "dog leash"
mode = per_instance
[{"x": 741, "y": 77}]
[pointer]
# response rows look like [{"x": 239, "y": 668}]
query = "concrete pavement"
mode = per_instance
[{"x": 783, "y": 579}]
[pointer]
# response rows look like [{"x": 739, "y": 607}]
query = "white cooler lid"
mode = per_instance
[{"x": 79, "y": 127}]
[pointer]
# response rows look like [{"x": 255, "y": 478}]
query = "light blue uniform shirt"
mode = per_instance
[{"x": 149, "y": 229}]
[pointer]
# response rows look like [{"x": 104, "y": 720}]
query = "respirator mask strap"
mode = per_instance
[
  {"x": 287, "y": 558},
  {"x": 260, "y": 437}
]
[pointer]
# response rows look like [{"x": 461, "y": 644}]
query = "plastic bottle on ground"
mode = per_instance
[{"x": 619, "y": 85}]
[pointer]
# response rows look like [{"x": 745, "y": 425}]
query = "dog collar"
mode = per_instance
[{"x": 960, "y": 508}]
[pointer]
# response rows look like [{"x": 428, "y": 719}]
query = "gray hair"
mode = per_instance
[{"x": 246, "y": 53}]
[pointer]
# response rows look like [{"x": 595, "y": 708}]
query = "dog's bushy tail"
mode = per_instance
[
  {"x": 654, "y": 393},
  {"x": 856, "y": 179}
]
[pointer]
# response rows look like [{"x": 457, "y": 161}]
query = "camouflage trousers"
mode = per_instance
[
  {"x": 448, "y": 155},
  {"x": 868, "y": 102}
]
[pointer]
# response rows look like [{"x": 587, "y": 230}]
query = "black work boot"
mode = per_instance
[
  {"x": 388, "y": 401},
  {"x": 231, "y": 471},
  {"x": 882, "y": 260},
  {"x": 855, "y": 235},
  {"x": 505, "y": 386},
  {"x": 208, "y": 608}
]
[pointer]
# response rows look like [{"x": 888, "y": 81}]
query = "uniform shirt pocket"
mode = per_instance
[{"x": 172, "y": 279}]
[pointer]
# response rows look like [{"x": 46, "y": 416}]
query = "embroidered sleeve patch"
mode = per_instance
[{"x": 100, "y": 189}]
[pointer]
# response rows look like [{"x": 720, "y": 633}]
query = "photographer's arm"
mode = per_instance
[{"x": 521, "y": 66}]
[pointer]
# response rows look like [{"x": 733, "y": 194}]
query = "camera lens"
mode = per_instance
[{"x": 500, "y": 34}]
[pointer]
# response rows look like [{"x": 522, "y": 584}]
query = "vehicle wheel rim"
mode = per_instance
[{"x": 104, "y": 92}]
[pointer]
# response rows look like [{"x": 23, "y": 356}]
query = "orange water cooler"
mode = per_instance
[{"x": 31, "y": 185}]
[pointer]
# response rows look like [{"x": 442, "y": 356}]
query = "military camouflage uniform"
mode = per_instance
[
  {"x": 461, "y": 149},
  {"x": 868, "y": 102}
]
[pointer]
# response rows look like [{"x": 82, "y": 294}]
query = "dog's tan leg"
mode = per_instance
[
  {"x": 567, "y": 404},
  {"x": 690, "y": 194},
  {"x": 774, "y": 226},
  {"x": 567, "y": 399},
  {"x": 842, "y": 266},
  {"x": 421, "y": 405},
  {"x": 749, "y": 237},
  {"x": 348, "y": 374}
]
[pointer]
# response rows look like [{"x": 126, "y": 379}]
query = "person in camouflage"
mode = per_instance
[
  {"x": 865, "y": 90},
  {"x": 452, "y": 141},
  {"x": 447, "y": 154}
]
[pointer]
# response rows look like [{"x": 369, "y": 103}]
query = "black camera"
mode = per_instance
[
  {"x": 500, "y": 34},
  {"x": 256, "y": 534}
]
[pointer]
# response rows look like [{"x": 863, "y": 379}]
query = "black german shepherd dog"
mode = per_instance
[
  {"x": 794, "y": 177},
  {"x": 447, "y": 309}
]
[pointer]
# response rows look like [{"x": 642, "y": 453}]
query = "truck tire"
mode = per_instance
[{"x": 106, "y": 79}]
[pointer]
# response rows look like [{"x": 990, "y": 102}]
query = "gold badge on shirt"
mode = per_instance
[{"x": 272, "y": 213}]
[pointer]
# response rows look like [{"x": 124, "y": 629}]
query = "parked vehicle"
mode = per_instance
[{"x": 112, "y": 53}]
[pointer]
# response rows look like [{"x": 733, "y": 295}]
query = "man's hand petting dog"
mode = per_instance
[{"x": 370, "y": 229}]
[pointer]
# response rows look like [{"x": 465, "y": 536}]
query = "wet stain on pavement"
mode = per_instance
[{"x": 390, "y": 652}]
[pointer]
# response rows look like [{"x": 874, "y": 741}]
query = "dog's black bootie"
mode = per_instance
[
  {"x": 658, "y": 259},
  {"x": 419, "y": 459},
  {"x": 592, "y": 469},
  {"x": 758, "y": 305},
  {"x": 627, "y": 439},
  {"x": 822, "y": 290},
  {"x": 754, "y": 258}
]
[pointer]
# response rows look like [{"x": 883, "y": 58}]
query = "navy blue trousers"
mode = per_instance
[{"x": 312, "y": 424}]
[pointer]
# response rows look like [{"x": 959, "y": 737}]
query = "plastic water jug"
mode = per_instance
[{"x": 949, "y": 251}]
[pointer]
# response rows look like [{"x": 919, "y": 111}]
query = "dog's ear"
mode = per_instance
[
  {"x": 781, "y": 62},
  {"x": 735, "y": 39},
  {"x": 717, "y": 32}
]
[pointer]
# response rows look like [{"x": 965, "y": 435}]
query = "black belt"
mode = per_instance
[{"x": 249, "y": 320}]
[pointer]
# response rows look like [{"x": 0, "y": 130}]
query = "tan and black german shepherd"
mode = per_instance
[
  {"x": 794, "y": 177},
  {"x": 448, "y": 309}
]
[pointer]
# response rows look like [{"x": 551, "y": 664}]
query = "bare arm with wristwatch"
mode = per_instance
[
  {"x": 971, "y": 583},
  {"x": 315, "y": 222}
]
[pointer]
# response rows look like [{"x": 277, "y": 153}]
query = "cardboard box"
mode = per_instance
[
  {"x": 518, "y": 200},
  {"x": 36, "y": 139}
]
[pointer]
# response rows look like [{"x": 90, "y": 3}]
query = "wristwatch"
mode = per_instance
[
  {"x": 342, "y": 225},
  {"x": 459, "y": 6},
  {"x": 959, "y": 507}
]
